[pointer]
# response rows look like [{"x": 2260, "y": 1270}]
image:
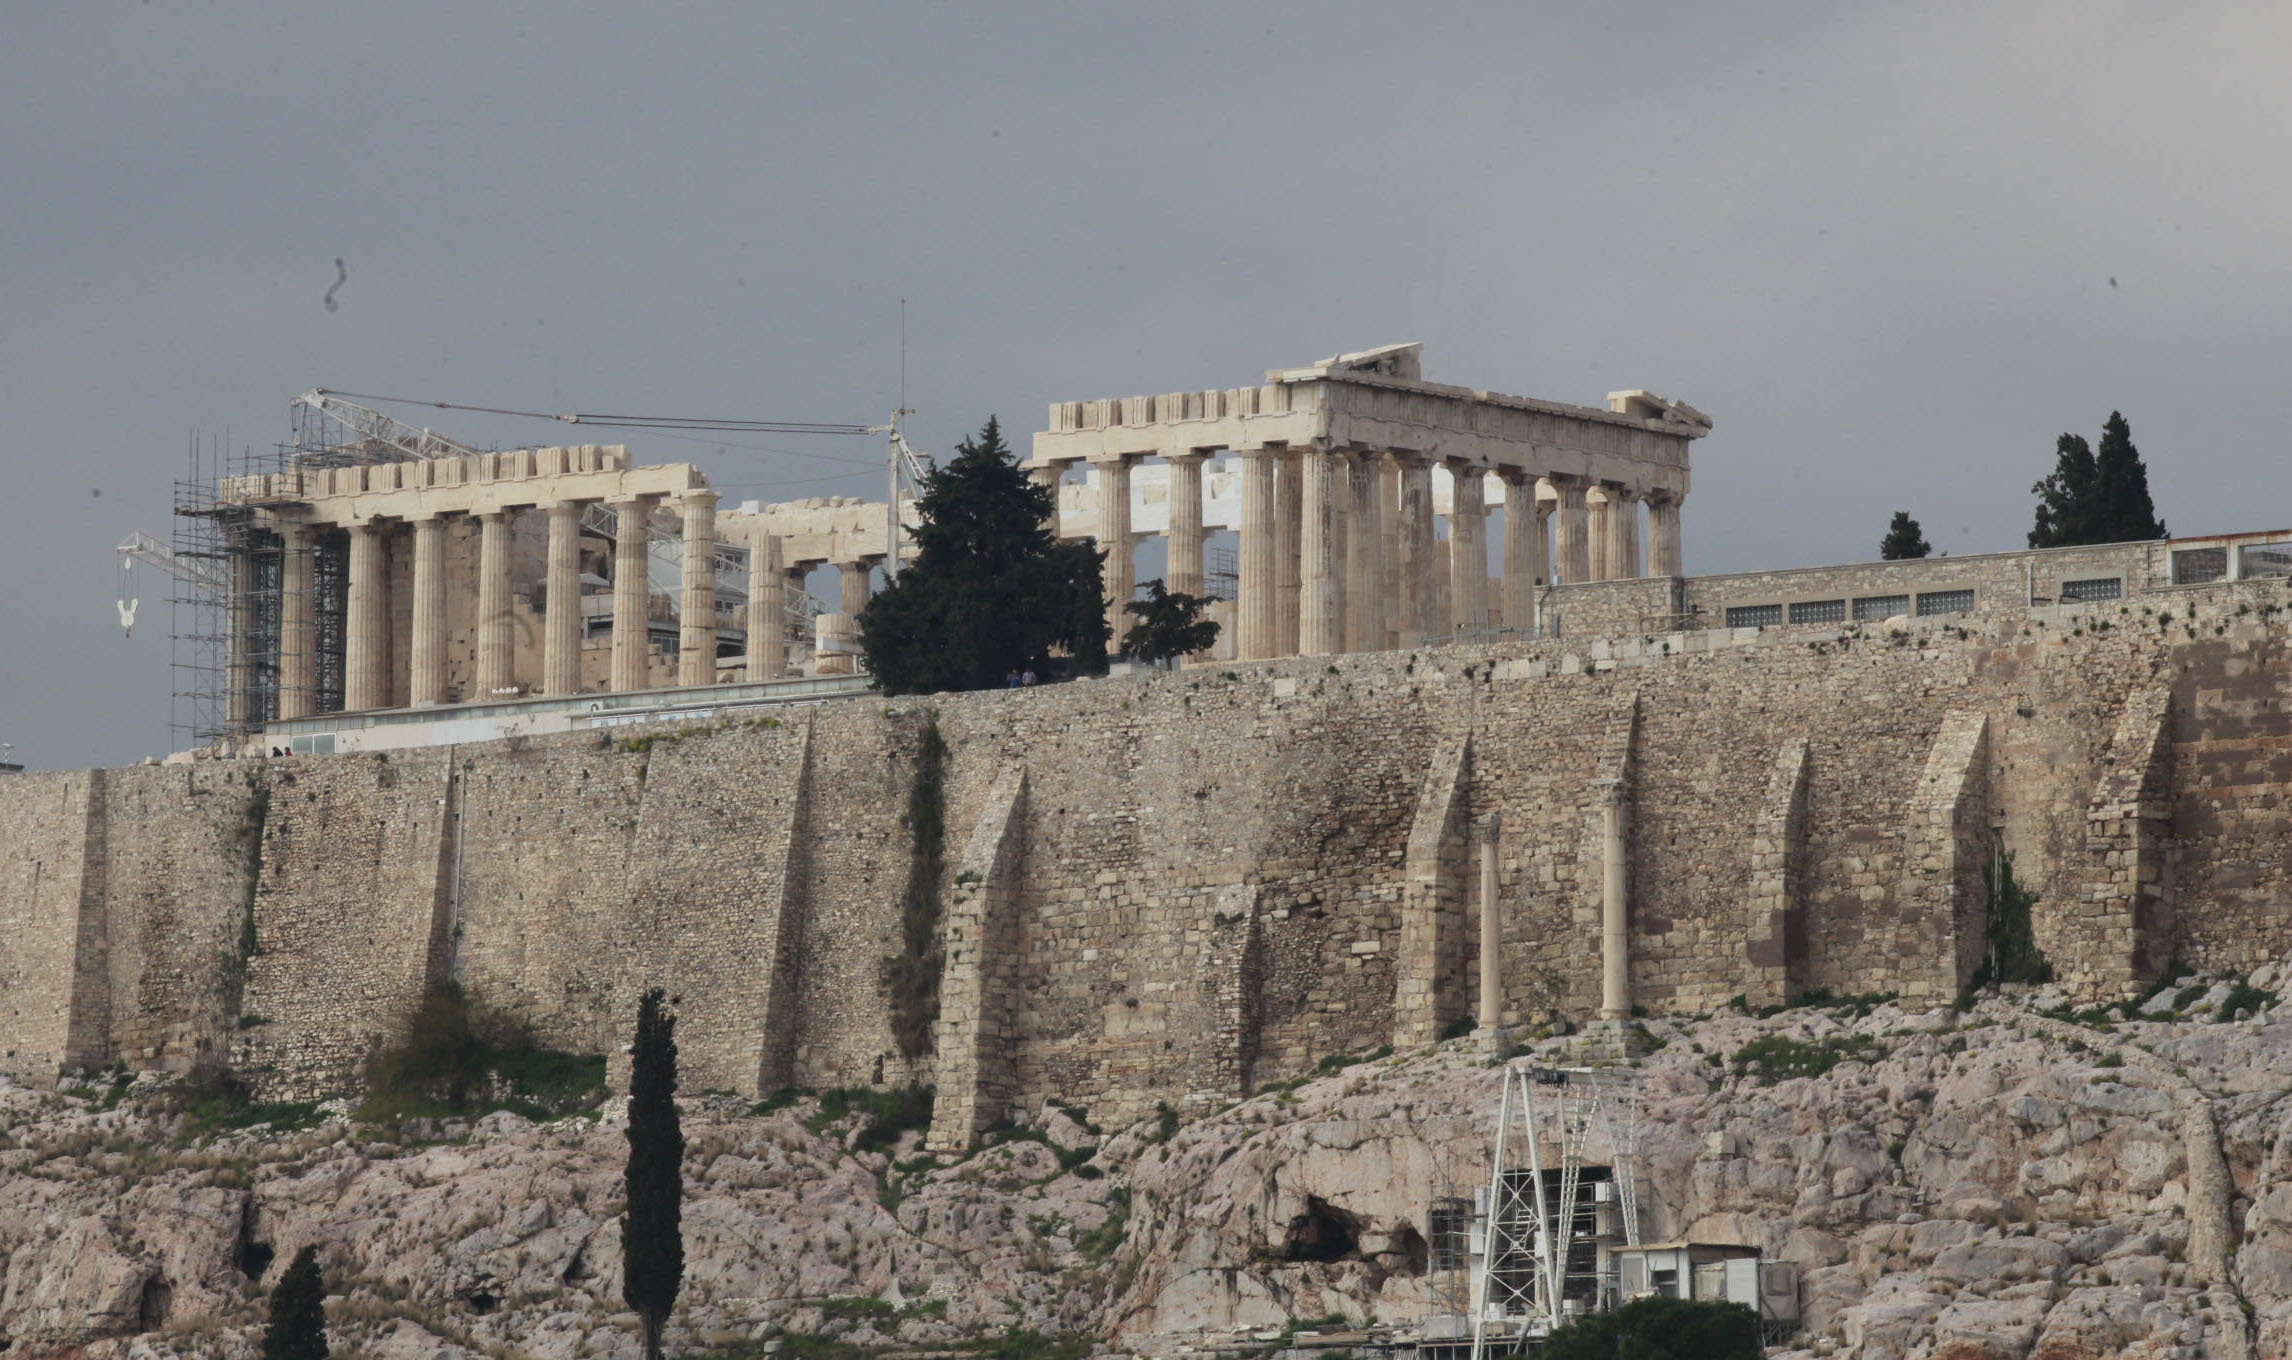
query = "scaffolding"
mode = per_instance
[{"x": 228, "y": 587}]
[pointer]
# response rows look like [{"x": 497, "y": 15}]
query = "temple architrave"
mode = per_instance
[{"x": 1343, "y": 467}]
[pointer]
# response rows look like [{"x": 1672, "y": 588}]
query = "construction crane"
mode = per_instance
[
  {"x": 144, "y": 549},
  {"x": 372, "y": 436}
]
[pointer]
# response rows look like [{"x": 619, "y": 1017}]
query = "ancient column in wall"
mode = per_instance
[
  {"x": 298, "y": 620},
  {"x": 1185, "y": 538},
  {"x": 1114, "y": 540},
  {"x": 1599, "y": 539},
  {"x": 1418, "y": 590},
  {"x": 696, "y": 605},
  {"x": 561, "y": 602},
  {"x": 1523, "y": 540},
  {"x": 1256, "y": 610},
  {"x": 1389, "y": 607},
  {"x": 366, "y": 629},
  {"x": 1571, "y": 554},
  {"x": 1321, "y": 554},
  {"x": 632, "y": 595},
  {"x": 1663, "y": 534},
  {"x": 852, "y": 587},
  {"x": 497, "y": 635},
  {"x": 767, "y": 610},
  {"x": 1468, "y": 548},
  {"x": 427, "y": 648},
  {"x": 1288, "y": 541},
  {"x": 1615, "y": 911},
  {"x": 1623, "y": 529},
  {"x": 1364, "y": 555},
  {"x": 1491, "y": 1028}
]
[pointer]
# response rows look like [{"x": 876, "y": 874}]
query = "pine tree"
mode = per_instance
[
  {"x": 2089, "y": 499},
  {"x": 652, "y": 1240},
  {"x": 1169, "y": 625},
  {"x": 1904, "y": 539},
  {"x": 2123, "y": 483},
  {"x": 992, "y": 589},
  {"x": 298, "y": 1312}
]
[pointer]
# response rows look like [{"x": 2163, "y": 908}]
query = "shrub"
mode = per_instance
[
  {"x": 1659, "y": 1328},
  {"x": 1778, "y": 1056},
  {"x": 454, "y": 1056}
]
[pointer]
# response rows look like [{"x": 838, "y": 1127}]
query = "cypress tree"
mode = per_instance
[
  {"x": 1904, "y": 539},
  {"x": 1170, "y": 624},
  {"x": 992, "y": 589},
  {"x": 298, "y": 1312},
  {"x": 2122, "y": 482},
  {"x": 2065, "y": 498},
  {"x": 652, "y": 1240}
]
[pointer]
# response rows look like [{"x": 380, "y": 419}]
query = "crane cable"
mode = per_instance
[{"x": 621, "y": 422}]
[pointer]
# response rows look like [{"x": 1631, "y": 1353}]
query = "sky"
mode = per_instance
[{"x": 1893, "y": 250}]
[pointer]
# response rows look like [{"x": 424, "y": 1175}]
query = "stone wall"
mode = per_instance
[{"x": 1215, "y": 877}]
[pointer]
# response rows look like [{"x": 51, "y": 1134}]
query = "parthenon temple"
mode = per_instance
[
  {"x": 1336, "y": 475},
  {"x": 419, "y": 573}
]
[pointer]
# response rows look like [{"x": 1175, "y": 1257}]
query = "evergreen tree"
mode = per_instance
[
  {"x": 298, "y": 1312},
  {"x": 2095, "y": 499},
  {"x": 992, "y": 589},
  {"x": 2123, "y": 483},
  {"x": 1904, "y": 539},
  {"x": 1169, "y": 625},
  {"x": 652, "y": 1239},
  {"x": 1659, "y": 1328}
]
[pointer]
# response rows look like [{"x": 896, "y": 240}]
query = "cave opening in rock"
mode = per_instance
[
  {"x": 152, "y": 1306},
  {"x": 1322, "y": 1233},
  {"x": 1411, "y": 1247},
  {"x": 255, "y": 1258},
  {"x": 482, "y": 1302}
]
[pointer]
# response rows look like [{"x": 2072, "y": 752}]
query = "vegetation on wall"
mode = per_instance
[
  {"x": 911, "y": 977},
  {"x": 2013, "y": 955},
  {"x": 452, "y": 1055}
]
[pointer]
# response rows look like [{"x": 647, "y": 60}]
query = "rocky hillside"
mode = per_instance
[{"x": 2008, "y": 1181}]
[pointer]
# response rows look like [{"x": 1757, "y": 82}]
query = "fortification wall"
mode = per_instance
[{"x": 1215, "y": 877}]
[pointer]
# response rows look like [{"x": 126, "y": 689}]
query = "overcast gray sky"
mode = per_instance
[{"x": 1893, "y": 250}]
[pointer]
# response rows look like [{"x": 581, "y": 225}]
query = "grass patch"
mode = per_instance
[
  {"x": 1107, "y": 1238},
  {"x": 1778, "y": 1057},
  {"x": 213, "y": 1100},
  {"x": 888, "y": 1114},
  {"x": 2242, "y": 1000}
]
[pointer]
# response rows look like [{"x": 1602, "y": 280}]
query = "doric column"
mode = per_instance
[
  {"x": 852, "y": 587},
  {"x": 366, "y": 630},
  {"x": 1258, "y": 607},
  {"x": 1364, "y": 556},
  {"x": 1615, "y": 911},
  {"x": 1321, "y": 553},
  {"x": 1571, "y": 553},
  {"x": 427, "y": 660},
  {"x": 298, "y": 620},
  {"x": 1468, "y": 548},
  {"x": 767, "y": 610},
  {"x": 1114, "y": 540},
  {"x": 1663, "y": 557},
  {"x": 1391, "y": 609},
  {"x": 1523, "y": 549},
  {"x": 1418, "y": 590},
  {"x": 632, "y": 595},
  {"x": 561, "y": 603},
  {"x": 1490, "y": 1036},
  {"x": 496, "y": 637},
  {"x": 1288, "y": 542},
  {"x": 1623, "y": 534},
  {"x": 696, "y": 607},
  {"x": 1599, "y": 539},
  {"x": 1185, "y": 539}
]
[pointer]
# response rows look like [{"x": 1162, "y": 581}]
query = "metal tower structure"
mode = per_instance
[{"x": 1532, "y": 1262}]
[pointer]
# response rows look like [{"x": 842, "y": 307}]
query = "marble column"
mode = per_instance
[
  {"x": 852, "y": 587},
  {"x": 1418, "y": 591},
  {"x": 1468, "y": 548},
  {"x": 497, "y": 635},
  {"x": 1184, "y": 574},
  {"x": 696, "y": 603},
  {"x": 1256, "y": 611},
  {"x": 1288, "y": 541},
  {"x": 298, "y": 621},
  {"x": 767, "y": 611},
  {"x": 1523, "y": 550},
  {"x": 1599, "y": 539},
  {"x": 1491, "y": 1028},
  {"x": 1364, "y": 556},
  {"x": 1571, "y": 553},
  {"x": 427, "y": 648},
  {"x": 1114, "y": 541},
  {"x": 632, "y": 596},
  {"x": 366, "y": 628},
  {"x": 1391, "y": 608},
  {"x": 1623, "y": 532},
  {"x": 1321, "y": 553},
  {"x": 561, "y": 624},
  {"x": 1615, "y": 911},
  {"x": 1663, "y": 556}
]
